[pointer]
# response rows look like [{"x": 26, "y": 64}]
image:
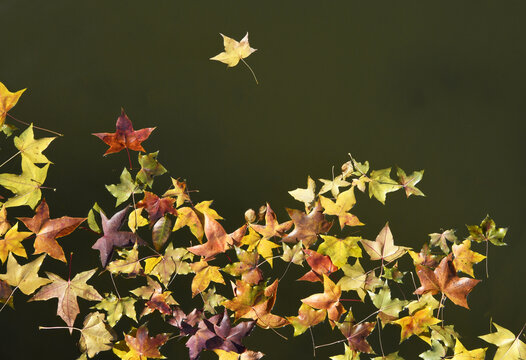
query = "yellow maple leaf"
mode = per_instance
[
  {"x": 7, "y": 101},
  {"x": 234, "y": 52}
]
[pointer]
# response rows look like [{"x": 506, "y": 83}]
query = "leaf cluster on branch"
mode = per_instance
[{"x": 234, "y": 284}]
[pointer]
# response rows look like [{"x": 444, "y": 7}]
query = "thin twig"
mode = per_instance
[
  {"x": 380, "y": 338},
  {"x": 115, "y": 286},
  {"x": 329, "y": 344},
  {"x": 252, "y": 71},
  {"x": 11, "y": 158},
  {"x": 35, "y": 127},
  {"x": 285, "y": 272},
  {"x": 58, "y": 327},
  {"x": 313, "y": 343}
]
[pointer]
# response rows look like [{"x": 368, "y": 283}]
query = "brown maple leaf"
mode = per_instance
[
  {"x": 272, "y": 227},
  {"x": 113, "y": 237},
  {"x": 356, "y": 334},
  {"x": 320, "y": 265},
  {"x": 67, "y": 292},
  {"x": 444, "y": 279},
  {"x": 156, "y": 206},
  {"x": 48, "y": 230},
  {"x": 125, "y": 136},
  {"x": 328, "y": 300},
  {"x": 307, "y": 227},
  {"x": 218, "y": 240},
  {"x": 145, "y": 346}
]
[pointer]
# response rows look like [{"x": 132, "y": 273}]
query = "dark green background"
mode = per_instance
[{"x": 439, "y": 87}]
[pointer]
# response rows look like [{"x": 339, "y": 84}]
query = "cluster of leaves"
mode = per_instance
[{"x": 139, "y": 241}]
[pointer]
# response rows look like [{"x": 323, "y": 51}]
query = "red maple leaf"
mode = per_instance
[{"x": 125, "y": 136}]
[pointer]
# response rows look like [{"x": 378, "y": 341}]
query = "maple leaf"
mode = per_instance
[
  {"x": 356, "y": 334},
  {"x": 25, "y": 186},
  {"x": 179, "y": 191},
  {"x": 487, "y": 231},
  {"x": 446, "y": 334},
  {"x": 218, "y": 240},
  {"x": 306, "y": 195},
  {"x": 247, "y": 267},
  {"x": 217, "y": 333},
  {"x": 95, "y": 336},
  {"x": 7, "y": 101},
  {"x": 381, "y": 183},
  {"x": 4, "y": 224},
  {"x": 461, "y": 353},
  {"x": 444, "y": 279},
  {"x": 294, "y": 254},
  {"x": 409, "y": 182},
  {"x": 340, "y": 249},
  {"x": 150, "y": 168},
  {"x": 125, "y": 136},
  {"x": 328, "y": 300},
  {"x": 204, "y": 274},
  {"x": 261, "y": 244},
  {"x": 129, "y": 264},
  {"x": 272, "y": 227},
  {"x": 125, "y": 189},
  {"x": 393, "y": 273},
  {"x": 136, "y": 220},
  {"x": 383, "y": 248},
  {"x": 416, "y": 323},
  {"x": 234, "y": 52},
  {"x": 426, "y": 300},
  {"x": 116, "y": 307},
  {"x": 161, "y": 302},
  {"x": 67, "y": 291},
  {"x": 441, "y": 239},
  {"x": 245, "y": 355},
  {"x": 172, "y": 262},
  {"x": 510, "y": 347},
  {"x": 24, "y": 277},
  {"x": 356, "y": 279},
  {"x": 320, "y": 265},
  {"x": 211, "y": 300},
  {"x": 113, "y": 237},
  {"x": 307, "y": 226},
  {"x": 156, "y": 207},
  {"x": 6, "y": 294},
  {"x": 193, "y": 217},
  {"x": 344, "y": 202},
  {"x": 333, "y": 185},
  {"x": 437, "y": 351},
  {"x": 465, "y": 258},
  {"x": 138, "y": 345},
  {"x": 31, "y": 148},
  {"x": 307, "y": 317},
  {"x": 425, "y": 257},
  {"x": 48, "y": 230},
  {"x": 349, "y": 354},
  {"x": 388, "y": 308},
  {"x": 12, "y": 243}
]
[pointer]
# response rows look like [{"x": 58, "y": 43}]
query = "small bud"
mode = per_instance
[
  {"x": 261, "y": 212},
  {"x": 250, "y": 216}
]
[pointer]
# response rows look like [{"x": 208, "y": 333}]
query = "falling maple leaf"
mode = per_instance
[
  {"x": 247, "y": 267},
  {"x": 48, "y": 230},
  {"x": 344, "y": 202},
  {"x": 465, "y": 258},
  {"x": 510, "y": 347},
  {"x": 113, "y": 237},
  {"x": 320, "y": 265},
  {"x": 179, "y": 191},
  {"x": 31, "y": 148},
  {"x": 194, "y": 218},
  {"x": 416, "y": 323},
  {"x": 441, "y": 239},
  {"x": 388, "y": 308},
  {"x": 307, "y": 195},
  {"x": 272, "y": 227},
  {"x": 444, "y": 279},
  {"x": 12, "y": 243},
  {"x": 381, "y": 183},
  {"x": 67, "y": 291},
  {"x": 96, "y": 335},
  {"x": 150, "y": 168},
  {"x": 116, "y": 307},
  {"x": 174, "y": 261},
  {"x": 138, "y": 345},
  {"x": 25, "y": 186},
  {"x": 156, "y": 207},
  {"x": 328, "y": 300},
  {"x": 307, "y": 317},
  {"x": 356, "y": 334},
  {"x": 383, "y": 248},
  {"x": 129, "y": 264},
  {"x": 7, "y": 101},
  {"x": 307, "y": 226},
  {"x": 487, "y": 231},
  {"x": 235, "y": 52},
  {"x": 204, "y": 274},
  {"x": 461, "y": 353},
  {"x": 218, "y": 240},
  {"x": 125, "y": 189},
  {"x": 24, "y": 277},
  {"x": 409, "y": 182},
  {"x": 125, "y": 137},
  {"x": 340, "y": 249},
  {"x": 261, "y": 244}
]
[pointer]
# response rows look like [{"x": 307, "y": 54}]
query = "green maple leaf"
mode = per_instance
[
  {"x": 124, "y": 189},
  {"x": 31, "y": 148},
  {"x": 445, "y": 334},
  {"x": 381, "y": 183},
  {"x": 510, "y": 347},
  {"x": 172, "y": 262},
  {"x": 211, "y": 300},
  {"x": 294, "y": 254},
  {"x": 117, "y": 307},
  {"x": 441, "y": 239},
  {"x": 388, "y": 308},
  {"x": 129, "y": 264},
  {"x": 487, "y": 231},
  {"x": 340, "y": 249},
  {"x": 437, "y": 351},
  {"x": 25, "y": 186},
  {"x": 25, "y": 277},
  {"x": 150, "y": 168}
]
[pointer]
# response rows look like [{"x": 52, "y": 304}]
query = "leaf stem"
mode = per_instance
[
  {"x": 313, "y": 343},
  {"x": 35, "y": 127},
  {"x": 380, "y": 338},
  {"x": 115, "y": 286},
  {"x": 487, "y": 266},
  {"x": 11, "y": 158},
  {"x": 332, "y": 343},
  {"x": 252, "y": 71},
  {"x": 58, "y": 327}
]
